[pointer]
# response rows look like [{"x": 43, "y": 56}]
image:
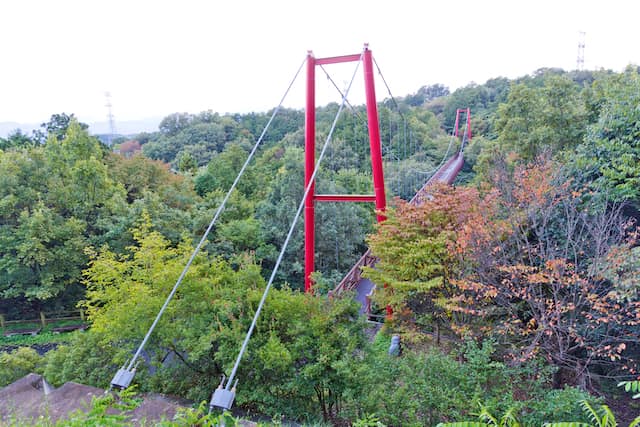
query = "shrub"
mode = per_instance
[
  {"x": 425, "y": 388},
  {"x": 18, "y": 363},
  {"x": 85, "y": 359}
]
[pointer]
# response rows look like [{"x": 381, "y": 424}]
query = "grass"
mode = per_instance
[
  {"x": 45, "y": 337},
  {"x": 62, "y": 323},
  {"x": 33, "y": 325},
  {"x": 22, "y": 325}
]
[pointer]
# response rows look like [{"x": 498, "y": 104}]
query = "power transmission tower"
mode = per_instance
[
  {"x": 580, "y": 62},
  {"x": 112, "y": 125}
]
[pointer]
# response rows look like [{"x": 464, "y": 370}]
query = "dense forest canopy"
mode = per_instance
[{"x": 521, "y": 279}]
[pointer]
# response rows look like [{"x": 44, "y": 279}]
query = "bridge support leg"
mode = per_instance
[
  {"x": 309, "y": 165},
  {"x": 374, "y": 143},
  {"x": 374, "y": 135}
]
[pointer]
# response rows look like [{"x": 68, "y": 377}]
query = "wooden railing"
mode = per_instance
[{"x": 34, "y": 326}]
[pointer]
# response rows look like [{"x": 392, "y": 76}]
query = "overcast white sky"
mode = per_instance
[{"x": 158, "y": 57}]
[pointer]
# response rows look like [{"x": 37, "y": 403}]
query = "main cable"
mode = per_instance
[
  {"x": 389, "y": 90},
  {"x": 444, "y": 158},
  {"x": 211, "y": 224},
  {"x": 286, "y": 242},
  {"x": 341, "y": 94},
  {"x": 401, "y": 115}
]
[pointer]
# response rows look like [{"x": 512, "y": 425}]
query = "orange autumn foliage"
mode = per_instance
[{"x": 527, "y": 263}]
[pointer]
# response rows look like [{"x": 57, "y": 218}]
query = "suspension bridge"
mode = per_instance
[
  {"x": 445, "y": 173},
  {"x": 363, "y": 288}
]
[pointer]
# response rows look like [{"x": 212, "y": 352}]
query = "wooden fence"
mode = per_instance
[{"x": 34, "y": 326}]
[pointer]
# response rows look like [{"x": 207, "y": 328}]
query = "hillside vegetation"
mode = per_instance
[{"x": 516, "y": 289}]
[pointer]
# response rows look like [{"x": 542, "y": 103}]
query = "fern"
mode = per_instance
[
  {"x": 631, "y": 387},
  {"x": 509, "y": 419},
  {"x": 600, "y": 417},
  {"x": 465, "y": 424},
  {"x": 486, "y": 416},
  {"x": 607, "y": 419},
  {"x": 567, "y": 424},
  {"x": 487, "y": 420}
]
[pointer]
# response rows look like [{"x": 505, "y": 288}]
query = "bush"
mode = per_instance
[
  {"x": 556, "y": 405},
  {"x": 425, "y": 388},
  {"x": 85, "y": 359},
  {"x": 18, "y": 363},
  {"x": 415, "y": 389}
]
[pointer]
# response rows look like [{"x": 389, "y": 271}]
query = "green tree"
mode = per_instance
[
  {"x": 426, "y": 94},
  {"x": 57, "y": 127},
  {"x": 295, "y": 360},
  {"x": 482, "y": 99},
  {"x": 186, "y": 163},
  {"x": 42, "y": 255},
  {"x": 85, "y": 359},
  {"x": 61, "y": 196},
  {"x": 276, "y": 214},
  {"x": 537, "y": 119},
  {"x": 222, "y": 171},
  {"x": 608, "y": 159},
  {"x": 174, "y": 123},
  {"x": 16, "y": 139}
]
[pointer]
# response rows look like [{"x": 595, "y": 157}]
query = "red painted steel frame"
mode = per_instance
[
  {"x": 374, "y": 136},
  {"x": 467, "y": 112},
  {"x": 468, "y": 124},
  {"x": 345, "y": 198},
  {"x": 310, "y": 155},
  {"x": 309, "y": 165},
  {"x": 338, "y": 59}
]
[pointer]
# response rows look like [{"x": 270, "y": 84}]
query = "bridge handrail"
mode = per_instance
[
  {"x": 355, "y": 274},
  {"x": 438, "y": 177}
]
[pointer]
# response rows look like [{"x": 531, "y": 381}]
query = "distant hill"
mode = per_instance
[
  {"x": 125, "y": 127},
  {"x": 7, "y": 127}
]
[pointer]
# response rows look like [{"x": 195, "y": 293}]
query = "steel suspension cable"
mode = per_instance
[
  {"x": 444, "y": 158},
  {"x": 389, "y": 90},
  {"x": 402, "y": 183},
  {"x": 341, "y": 94},
  {"x": 286, "y": 242},
  {"x": 354, "y": 111},
  {"x": 401, "y": 115},
  {"x": 206, "y": 233}
]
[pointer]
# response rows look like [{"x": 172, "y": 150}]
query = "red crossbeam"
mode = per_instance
[
  {"x": 345, "y": 198},
  {"x": 338, "y": 59}
]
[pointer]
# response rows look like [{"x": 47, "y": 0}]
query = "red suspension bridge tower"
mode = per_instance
[{"x": 310, "y": 154}]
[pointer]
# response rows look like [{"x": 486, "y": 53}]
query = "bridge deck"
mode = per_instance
[{"x": 363, "y": 288}]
